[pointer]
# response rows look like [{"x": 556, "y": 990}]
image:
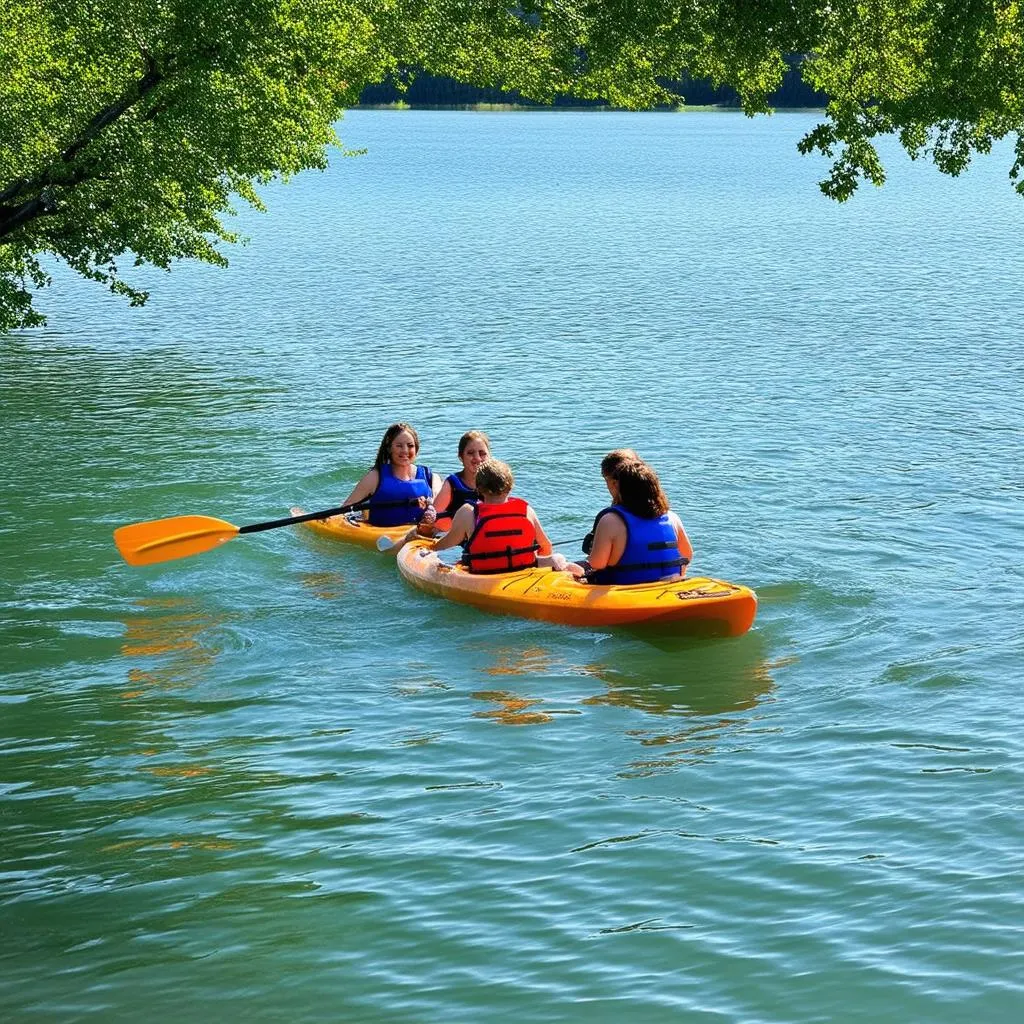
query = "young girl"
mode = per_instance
[
  {"x": 460, "y": 488},
  {"x": 398, "y": 489},
  {"x": 637, "y": 540},
  {"x": 501, "y": 533}
]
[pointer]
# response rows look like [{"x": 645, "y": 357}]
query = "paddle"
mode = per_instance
[{"x": 162, "y": 540}]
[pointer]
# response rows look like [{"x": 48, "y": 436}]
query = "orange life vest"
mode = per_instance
[{"x": 503, "y": 540}]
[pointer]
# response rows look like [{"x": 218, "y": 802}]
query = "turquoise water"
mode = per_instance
[{"x": 273, "y": 783}]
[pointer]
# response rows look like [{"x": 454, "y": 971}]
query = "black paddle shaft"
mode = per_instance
[{"x": 307, "y": 516}]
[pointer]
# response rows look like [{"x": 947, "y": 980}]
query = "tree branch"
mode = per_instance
[
  {"x": 43, "y": 202},
  {"x": 149, "y": 81}
]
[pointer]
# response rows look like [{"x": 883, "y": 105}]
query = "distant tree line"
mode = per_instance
[{"x": 419, "y": 89}]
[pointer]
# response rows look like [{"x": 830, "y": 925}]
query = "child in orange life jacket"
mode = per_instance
[{"x": 501, "y": 533}]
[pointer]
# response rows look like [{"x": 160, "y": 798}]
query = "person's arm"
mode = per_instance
[
  {"x": 436, "y": 486},
  {"x": 588, "y": 540},
  {"x": 609, "y": 542},
  {"x": 560, "y": 564},
  {"x": 685, "y": 547},
  {"x": 460, "y": 530},
  {"x": 542, "y": 537},
  {"x": 546, "y": 557},
  {"x": 444, "y": 497},
  {"x": 364, "y": 488}
]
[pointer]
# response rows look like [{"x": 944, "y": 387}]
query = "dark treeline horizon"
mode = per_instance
[{"x": 425, "y": 90}]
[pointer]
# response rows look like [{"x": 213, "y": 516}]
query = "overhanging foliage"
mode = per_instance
[{"x": 131, "y": 127}]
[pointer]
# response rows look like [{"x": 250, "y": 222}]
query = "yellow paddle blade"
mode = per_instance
[{"x": 162, "y": 540}]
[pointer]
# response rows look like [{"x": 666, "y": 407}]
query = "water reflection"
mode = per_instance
[
  {"x": 520, "y": 661},
  {"x": 169, "y": 626},
  {"x": 513, "y": 709},
  {"x": 103, "y": 775},
  {"x": 327, "y": 586},
  {"x": 705, "y": 685},
  {"x": 663, "y": 677},
  {"x": 680, "y": 678}
]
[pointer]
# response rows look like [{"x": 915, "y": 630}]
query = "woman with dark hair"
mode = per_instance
[
  {"x": 398, "y": 489},
  {"x": 637, "y": 539},
  {"x": 610, "y": 465}
]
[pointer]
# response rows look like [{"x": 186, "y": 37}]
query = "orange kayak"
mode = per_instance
[
  {"x": 698, "y": 605},
  {"x": 353, "y": 529}
]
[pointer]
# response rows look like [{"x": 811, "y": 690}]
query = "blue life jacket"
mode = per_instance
[
  {"x": 395, "y": 502},
  {"x": 651, "y": 552},
  {"x": 461, "y": 495}
]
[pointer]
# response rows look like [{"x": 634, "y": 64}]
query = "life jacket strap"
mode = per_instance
[
  {"x": 469, "y": 558},
  {"x": 672, "y": 563},
  {"x": 508, "y": 553}
]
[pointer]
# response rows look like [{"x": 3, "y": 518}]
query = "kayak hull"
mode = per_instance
[
  {"x": 700, "y": 605},
  {"x": 352, "y": 529}
]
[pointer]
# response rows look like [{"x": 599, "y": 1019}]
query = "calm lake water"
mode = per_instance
[{"x": 273, "y": 783}]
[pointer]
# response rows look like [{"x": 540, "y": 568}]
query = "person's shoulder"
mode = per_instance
[{"x": 611, "y": 515}]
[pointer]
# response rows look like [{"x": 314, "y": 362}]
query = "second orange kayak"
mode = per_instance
[{"x": 699, "y": 605}]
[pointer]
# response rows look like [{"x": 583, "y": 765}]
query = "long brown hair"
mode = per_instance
[
  {"x": 640, "y": 490},
  {"x": 613, "y": 460},
  {"x": 384, "y": 451}
]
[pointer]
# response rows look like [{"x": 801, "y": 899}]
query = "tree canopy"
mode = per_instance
[{"x": 129, "y": 128}]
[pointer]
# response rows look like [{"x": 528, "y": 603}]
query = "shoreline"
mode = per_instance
[{"x": 704, "y": 108}]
